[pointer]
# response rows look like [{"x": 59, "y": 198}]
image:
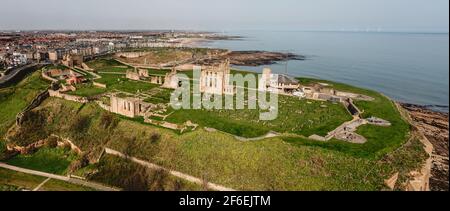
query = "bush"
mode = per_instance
[
  {"x": 108, "y": 120},
  {"x": 2, "y": 146},
  {"x": 6, "y": 155},
  {"x": 29, "y": 150},
  {"x": 80, "y": 124},
  {"x": 138, "y": 180},
  {"x": 67, "y": 147},
  {"x": 158, "y": 180},
  {"x": 155, "y": 137},
  {"x": 52, "y": 142},
  {"x": 32, "y": 129},
  {"x": 81, "y": 162}
]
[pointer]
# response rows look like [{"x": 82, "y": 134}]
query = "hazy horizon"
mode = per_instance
[{"x": 207, "y": 15}]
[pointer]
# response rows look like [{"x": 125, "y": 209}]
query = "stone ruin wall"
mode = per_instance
[
  {"x": 47, "y": 77},
  {"x": 97, "y": 84},
  {"x": 68, "y": 97}
]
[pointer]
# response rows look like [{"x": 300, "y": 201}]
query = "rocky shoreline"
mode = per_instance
[
  {"x": 251, "y": 58},
  {"x": 434, "y": 125},
  {"x": 258, "y": 58}
]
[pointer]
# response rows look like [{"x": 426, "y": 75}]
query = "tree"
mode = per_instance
[{"x": 138, "y": 180}]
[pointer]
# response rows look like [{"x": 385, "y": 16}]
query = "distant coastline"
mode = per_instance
[{"x": 381, "y": 61}]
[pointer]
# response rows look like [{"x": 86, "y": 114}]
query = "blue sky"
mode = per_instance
[{"x": 386, "y": 15}]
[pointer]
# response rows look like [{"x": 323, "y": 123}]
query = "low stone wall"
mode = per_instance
[
  {"x": 167, "y": 125},
  {"x": 86, "y": 67},
  {"x": 41, "y": 143},
  {"x": 99, "y": 85},
  {"x": 103, "y": 106},
  {"x": 351, "y": 107},
  {"x": 48, "y": 78},
  {"x": 354, "y": 96},
  {"x": 27, "y": 149},
  {"x": 73, "y": 98},
  {"x": 131, "y": 55},
  {"x": 63, "y": 141}
]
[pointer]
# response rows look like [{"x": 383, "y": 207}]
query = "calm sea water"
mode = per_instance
[{"x": 408, "y": 67}]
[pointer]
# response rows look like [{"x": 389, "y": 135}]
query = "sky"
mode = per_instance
[{"x": 384, "y": 15}]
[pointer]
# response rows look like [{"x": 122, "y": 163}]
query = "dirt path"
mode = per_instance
[
  {"x": 189, "y": 178},
  {"x": 95, "y": 186},
  {"x": 42, "y": 184},
  {"x": 434, "y": 126},
  {"x": 271, "y": 134}
]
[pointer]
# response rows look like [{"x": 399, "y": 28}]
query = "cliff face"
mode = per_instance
[{"x": 434, "y": 125}]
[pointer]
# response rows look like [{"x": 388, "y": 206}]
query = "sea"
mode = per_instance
[{"x": 408, "y": 67}]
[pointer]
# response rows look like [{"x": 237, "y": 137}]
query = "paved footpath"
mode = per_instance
[
  {"x": 95, "y": 186},
  {"x": 189, "y": 178}
]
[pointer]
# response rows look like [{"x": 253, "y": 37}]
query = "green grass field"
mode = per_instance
[
  {"x": 114, "y": 82},
  {"x": 158, "y": 72},
  {"x": 108, "y": 65},
  {"x": 88, "y": 90},
  {"x": 380, "y": 139},
  {"x": 119, "y": 82},
  {"x": 15, "y": 181},
  {"x": 294, "y": 116},
  {"x": 55, "y": 161}
]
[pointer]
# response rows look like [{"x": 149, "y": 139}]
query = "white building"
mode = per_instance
[
  {"x": 278, "y": 83},
  {"x": 19, "y": 59}
]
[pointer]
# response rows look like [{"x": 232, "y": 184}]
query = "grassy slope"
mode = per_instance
[
  {"x": 14, "y": 99},
  {"x": 261, "y": 165},
  {"x": 271, "y": 164},
  {"x": 55, "y": 161}
]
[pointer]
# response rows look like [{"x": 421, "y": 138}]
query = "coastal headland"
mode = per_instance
[{"x": 67, "y": 118}]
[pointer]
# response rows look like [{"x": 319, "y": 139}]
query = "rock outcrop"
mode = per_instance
[{"x": 251, "y": 58}]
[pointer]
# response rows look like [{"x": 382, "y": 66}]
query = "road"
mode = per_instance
[
  {"x": 95, "y": 186},
  {"x": 16, "y": 72}
]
